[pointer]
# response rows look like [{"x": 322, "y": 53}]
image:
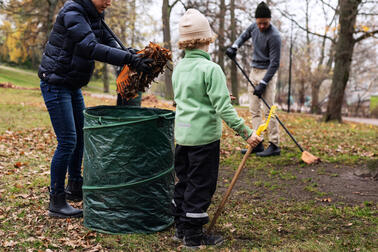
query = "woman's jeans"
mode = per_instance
[{"x": 65, "y": 107}]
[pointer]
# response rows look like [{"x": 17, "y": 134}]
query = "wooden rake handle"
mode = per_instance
[{"x": 228, "y": 192}]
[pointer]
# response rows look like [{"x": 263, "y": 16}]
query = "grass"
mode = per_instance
[
  {"x": 18, "y": 77},
  {"x": 374, "y": 106},
  {"x": 30, "y": 79},
  {"x": 18, "y": 114},
  {"x": 349, "y": 143},
  {"x": 23, "y": 109},
  {"x": 251, "y": 220},
  {"x": 373, "y": 102}
]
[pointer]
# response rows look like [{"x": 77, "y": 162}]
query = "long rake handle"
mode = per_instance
[
  {"x": 283, "y": 126},
  {"x": 228, "y": 192}
]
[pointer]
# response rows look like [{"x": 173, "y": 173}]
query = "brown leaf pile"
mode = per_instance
[
  {"x": 150, "y": 101},
  {"x": 130, "y": 82},
  {"x": 11, "y": 85}
]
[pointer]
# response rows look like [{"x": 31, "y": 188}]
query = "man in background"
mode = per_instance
[{"x": 266, "y": 41}]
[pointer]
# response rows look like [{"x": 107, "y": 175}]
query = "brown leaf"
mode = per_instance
[
  {"x": 24, "y": 196},
  {"x": 18, "y": 186},
  {"x": 10, "y": 243}
]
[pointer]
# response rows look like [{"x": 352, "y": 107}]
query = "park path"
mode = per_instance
[
  {"x": 29, "y": 72},
  {"x": 372, "y": 121}
]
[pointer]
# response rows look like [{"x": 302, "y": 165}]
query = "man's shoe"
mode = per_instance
[
  {"x": 272, "y": 150},
  {"x": 258, "y": 148}
]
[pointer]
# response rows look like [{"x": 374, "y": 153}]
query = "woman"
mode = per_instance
[{"x": 76, "y": 40}]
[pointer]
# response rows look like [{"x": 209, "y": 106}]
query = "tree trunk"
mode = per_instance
[
  {"x": 234, "y": 72},
  {"x": 301, "y": 94},
  {"x": 314, "y": 90},
  {"x": 221, "y": 38},
  {"x": 132, "y": 22},
  {"x": 105, "y": 78},
  {"x": 315, "y": 109},
  {"x": 343, "y": 58},
  {"x": 279, "y": 87},
  {"x": 33, "y": 58},
  {"x": 324, "y": 72},
  {"x": 166, "y": 12},
  {"x": 52, "y": 4}
]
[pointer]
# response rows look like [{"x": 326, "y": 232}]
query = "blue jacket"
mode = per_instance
[{"x": 76, "y": 40}]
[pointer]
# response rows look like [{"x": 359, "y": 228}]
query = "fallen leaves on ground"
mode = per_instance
[{"x": 24, "y": 170}]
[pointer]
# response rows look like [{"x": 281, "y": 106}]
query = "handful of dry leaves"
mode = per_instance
[{"x": 129, "y": 82}]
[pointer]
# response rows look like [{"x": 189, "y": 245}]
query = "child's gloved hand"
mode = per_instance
[{"x": 254, "y": 140}]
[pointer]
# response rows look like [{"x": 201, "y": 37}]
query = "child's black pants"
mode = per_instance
[{"x": 197, "y": 170}]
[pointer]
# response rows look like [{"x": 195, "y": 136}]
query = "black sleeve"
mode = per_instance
[{"x": 87, "y": 45}]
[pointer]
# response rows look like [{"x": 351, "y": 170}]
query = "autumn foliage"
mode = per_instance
[{"x": 130, "y": 82}]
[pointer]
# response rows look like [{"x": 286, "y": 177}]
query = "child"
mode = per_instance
[{"x": 202, "y": 99}]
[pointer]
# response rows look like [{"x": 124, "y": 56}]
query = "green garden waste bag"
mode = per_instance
[{"x": 128, "y": 169}]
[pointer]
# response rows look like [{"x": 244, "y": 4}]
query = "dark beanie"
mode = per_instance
[{"x": 262, "y": 11}]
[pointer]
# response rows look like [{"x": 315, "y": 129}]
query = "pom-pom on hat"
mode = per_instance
[
  {"x": 194, "y": 25},
  {"x": 262, "y": 11}
]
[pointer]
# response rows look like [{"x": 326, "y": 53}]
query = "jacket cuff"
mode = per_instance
[
  {"x": 246, "y": 132},
  {"x": 264, "y": 82}
]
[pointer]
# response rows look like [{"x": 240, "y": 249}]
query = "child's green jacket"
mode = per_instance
[{"x": 202, "y": 99}]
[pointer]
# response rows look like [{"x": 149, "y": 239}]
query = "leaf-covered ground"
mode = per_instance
[{"x": 278, "y": 204}]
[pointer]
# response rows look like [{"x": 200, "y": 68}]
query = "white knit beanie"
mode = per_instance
[{"x": 194, "y": 25}]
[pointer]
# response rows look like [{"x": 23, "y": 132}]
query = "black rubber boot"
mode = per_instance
[
  {"x": 258, "y": 148},
  {"x": 74, "y": 191},
  {"x": 272, "y": 150},
  {"x": 195, "y": 237},
  {"x": 59, "y": 208},
  {"x": 179, "y": 234}
]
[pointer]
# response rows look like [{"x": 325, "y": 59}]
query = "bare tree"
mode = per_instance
[
  {"x": 316, "y": 75},
  {"x": 105, "y": 78},
  {"x": 322, "y": 71},
  {"x": 343, "y": 57},
  {"x": 234, "y": 73},
  {"x": 52, "y": 7},
  {"x": 221, "y": 38},
  {"x": 166, "y": 14}
]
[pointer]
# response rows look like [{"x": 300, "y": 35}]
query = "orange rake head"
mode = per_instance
[{"x": 308, "y": 158}]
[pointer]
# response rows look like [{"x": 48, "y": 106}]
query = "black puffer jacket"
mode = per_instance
[{"x": 76, "y": 40}]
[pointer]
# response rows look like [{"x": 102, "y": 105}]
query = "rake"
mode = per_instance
[{"x": 307, "y": 157}]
